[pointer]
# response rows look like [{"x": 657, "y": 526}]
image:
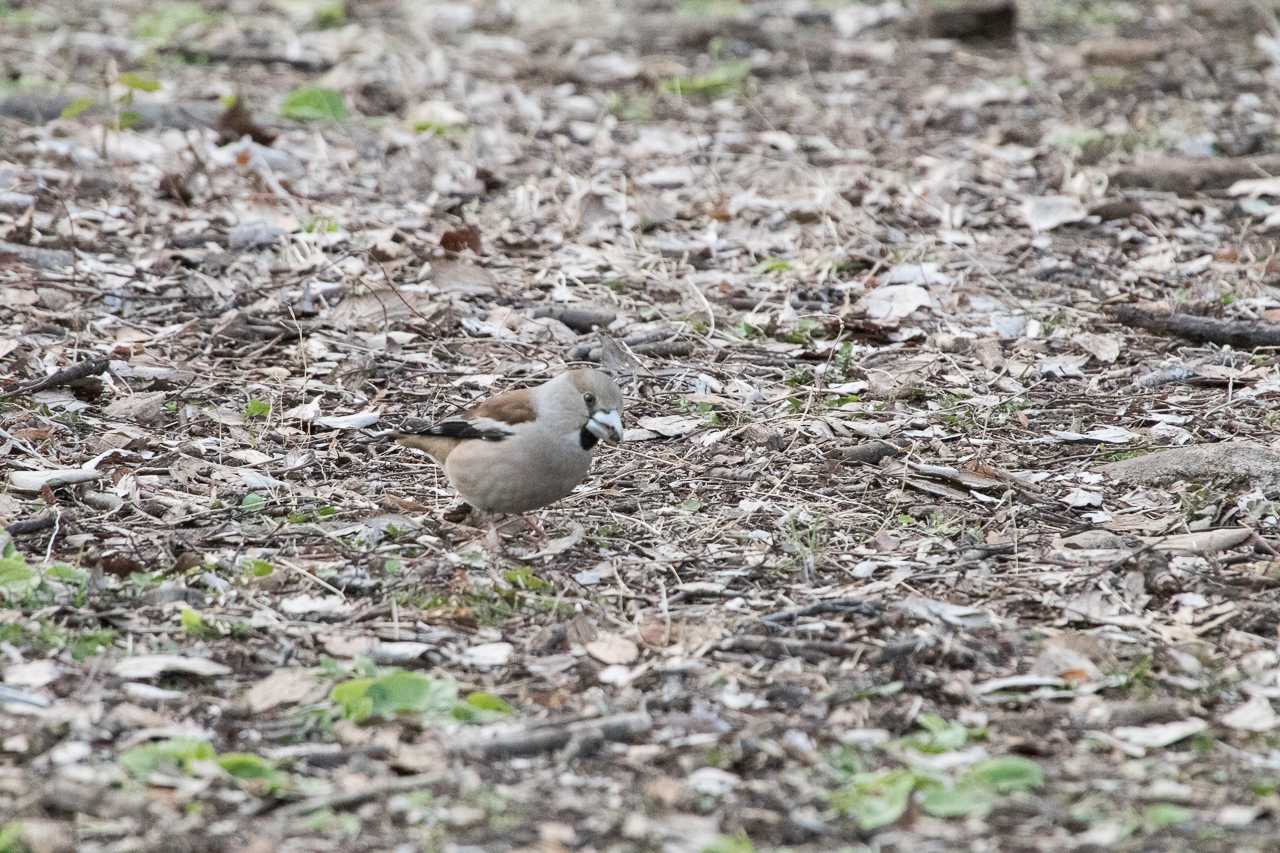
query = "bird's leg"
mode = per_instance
[
  {"x": 535, "y": 527},
  {"x": 492, "y": 540}
]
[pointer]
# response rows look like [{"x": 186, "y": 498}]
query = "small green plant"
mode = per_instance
[
  {"x": 523, "y": 578},
  {"x": 90, "y": 643},
  {"x": 397, "y": 692},
  {"x": 879, "y": 798},
  {"x": 772, "y": 265},
  {"x": 256, "y": 409},
  {"x": 314, "y": 103},
  {"x": 253, "y": 502},
  {"x": 330, "y": 15},
  {"x": 258, "y": 568},
  {"x": 320, "y": 225},
  {"x": 629, "y": 107},
  {"x": 162, "y": 22},
  {"x": 176, "y": 756},
  {"x": 938, "y": 735},
  {"x": 17, "y": 579},
  {"x": 193, "y": 624},
  {"x": 724, "y": 79},
  {"x": 11, "y": 835},
  {"x": 739, "y": 843}
]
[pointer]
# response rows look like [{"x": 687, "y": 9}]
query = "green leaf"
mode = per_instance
[
  {"x": 722, "y": 80},
  {"x": 396, "y": 692},
  {"x": 165, "y": 21},
  {"x": 76, "y": 107},
  {"x": 392, "y": 565},
  {"x": 1007, "y": 774},
  {"x": 138, "y": 83},
  {"x": 938, "y": 735},
  {"x": 193, "y": 623},
  {"x": 739, "y": 843},
  {"x": 253, "y": 502},
  {"x": 11, "y": 841},
  {"x": 176, "y": 755},
  {"x": 314, "y": 104},
  {"x": 1158, "y": 816},
  {"x": 257, "y": 409},
  {"x": 522, "y": 577},
  {"x": 258, "y": 568},
  {"x": 488, "y": 702},
  {"x": 17, "y": 580},
  {"x": 330, "y": 15},
  {"x": 326, "y": 512},
  {"x": 876, "y": 799},
  {"x": 773, "y": 265},
  {"x": 962, "y": 799},
  {"x": 128, "y": 119},
  {"x": 90, "y": 643},
  {"x": 68, "y": 574},
  {"x": 252, "y": 769}
]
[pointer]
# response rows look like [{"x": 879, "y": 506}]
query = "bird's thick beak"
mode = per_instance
[{"x": 606, "y": 426}]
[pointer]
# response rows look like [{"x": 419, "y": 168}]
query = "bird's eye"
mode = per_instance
[{"x": 589, "y": 399}]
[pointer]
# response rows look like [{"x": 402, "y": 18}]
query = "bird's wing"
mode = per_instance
[{"x": 492, "y": 420}]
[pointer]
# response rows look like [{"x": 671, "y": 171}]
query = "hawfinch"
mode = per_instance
[{"x": 524, "y": 449}]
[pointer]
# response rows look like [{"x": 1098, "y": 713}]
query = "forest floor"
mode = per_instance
[{"x": 917, "y": 541}]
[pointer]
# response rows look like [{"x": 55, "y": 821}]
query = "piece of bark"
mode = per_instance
[
  {"x": 1241, "y": 334},
  {"x": 581, "y": 320},
  {"x": 1185, "y": 175},
  {"x": 36, "y": 257},
  {"x": 788, "y": 647},
  {"x": 347, "y": 799},
  {"x": 1122, "y": 51},
  {"x": 184, "y": 115},
  {"x": 1227, "y": 460},
  {"x": 65, "y": 376},
  {"x": 237, "y": 122},
  {"x": 1117, "y": 208},
  {"x": 33, "y": 524},
  {"x": 549, "y": 738},
  {"x": 306, "y": 64},
  {"x": 990, "y": 20},
  {"x": 871, "y": 452}
]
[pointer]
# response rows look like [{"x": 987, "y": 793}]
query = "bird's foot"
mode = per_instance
[
  {"x": 535, "y": 527},
  {"x": 492, "y": 539}
]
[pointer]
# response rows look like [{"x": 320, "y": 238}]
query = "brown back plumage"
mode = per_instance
[
  {"x": 489, "y": 420},
  {"x": 509, "y": 407}
]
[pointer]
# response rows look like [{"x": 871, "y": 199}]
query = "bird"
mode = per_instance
[{"x": 526, "y": 448}]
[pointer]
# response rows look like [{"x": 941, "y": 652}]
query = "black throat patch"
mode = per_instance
[{"x": 587, "y": 438}]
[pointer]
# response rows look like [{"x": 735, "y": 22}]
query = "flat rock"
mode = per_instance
[{"x": 1232, "y": 460}]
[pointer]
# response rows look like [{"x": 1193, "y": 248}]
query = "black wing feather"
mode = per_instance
[{"x": 460, "y": 429}]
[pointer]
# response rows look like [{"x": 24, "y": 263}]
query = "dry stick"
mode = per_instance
[
  {"x": 386, "y": 276},
  {"x": 533, "y": 741},
  {"x": 64, "y": 376},
  {"x": 346, "y": 799},
  {"x": 1241, "y": 334},
  {"x": 33, "y": 524}
]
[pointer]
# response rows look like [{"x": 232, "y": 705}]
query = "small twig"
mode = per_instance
[
  {"x": 833, "y": 605},
  {"x": 57, "y": 526},
  {"x": 1241, "y": 334},
  {"x": 556, "y": 736},
  {"x": 780, "y": 647},
  {"x": 315, "y": 580},
  {"x": 386, "y": 276},
  {"x": 34, "y": 524},
  {"x": 347, "y": 799},
  {"x": 65, "y": 376}
]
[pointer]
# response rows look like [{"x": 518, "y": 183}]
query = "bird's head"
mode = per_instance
[{"x": 600, "y": 404}]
